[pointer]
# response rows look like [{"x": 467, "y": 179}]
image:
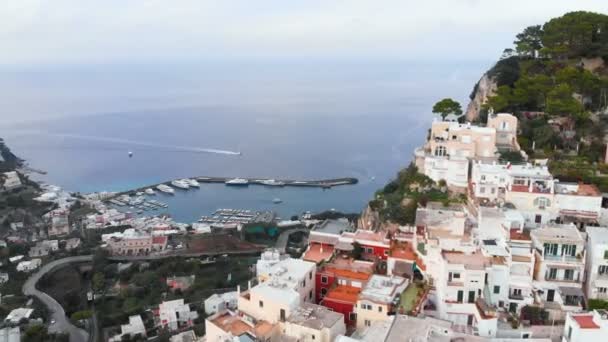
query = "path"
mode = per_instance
[{"x": 62, "y": 323}]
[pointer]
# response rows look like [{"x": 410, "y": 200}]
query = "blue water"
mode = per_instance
[{"x": 335, "y": 124}]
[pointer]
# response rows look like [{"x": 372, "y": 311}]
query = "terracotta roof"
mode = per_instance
[
  {"x": 406, "y": 251},
  {"x": 585, "y": 322},
  {"x": 588, "y": 190},
  {"x": 343, "y": 293},
  {"x": 348, "y": 273},
  {"x": 317, "y": 253}
]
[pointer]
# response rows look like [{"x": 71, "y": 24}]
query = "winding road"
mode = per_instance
[{"x": 62, "y": 323}]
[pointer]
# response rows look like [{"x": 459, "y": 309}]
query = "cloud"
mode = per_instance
[{"x": 78, "y": 31}]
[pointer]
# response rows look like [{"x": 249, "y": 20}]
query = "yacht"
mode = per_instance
[
  {"x": 165, "y": 188},
  {"x": 277, "y": 200},
  {"x": 192, "y": 182},
  {"x": 272, "y": 182},
  {"x": 237, "y": 181},
  {"x": 180, "y": 184},
  {"x": 150, "y": 192}
]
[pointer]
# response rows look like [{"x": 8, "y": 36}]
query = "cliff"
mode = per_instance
[{"x": 485, "y": 87}]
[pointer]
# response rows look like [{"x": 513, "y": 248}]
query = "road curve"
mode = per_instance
[{"x": 62, "y": 323}]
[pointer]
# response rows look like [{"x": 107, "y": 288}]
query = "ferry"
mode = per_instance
[
  {"x": 166, "y": 189},
  {"x": 237, "y": 181},
  {"x": 192, "y": 182},
  {"x": 150, "y": 192},
  {"x": 272, "y": 182},
  {"x": 180, "y": 184}
]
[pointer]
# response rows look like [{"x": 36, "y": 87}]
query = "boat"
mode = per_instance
[
  {"x": 130, "y": 154},
  {"x": 237, "y": 181},
  {"x": 180, "y": 184},
  {"x": 166, "y": 189},
  {"x": 192, "y": 182},
  {"x": 150, "y": 192},
  {"x": 277, "y": 200},
  {"x": 272, "y": 182}
]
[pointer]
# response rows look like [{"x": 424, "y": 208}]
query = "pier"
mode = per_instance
[{"x": 320, "y": 183}]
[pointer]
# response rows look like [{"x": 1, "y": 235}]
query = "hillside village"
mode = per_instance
[{"x": 494, "y": 232}]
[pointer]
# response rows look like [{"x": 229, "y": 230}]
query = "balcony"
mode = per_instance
[
  {"x": 563, "y": 258},
  {"x": 548, "y": 277},
  {"x": 514, "y": 296}
]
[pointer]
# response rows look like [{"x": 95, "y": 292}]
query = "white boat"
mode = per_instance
[
  {"x": 277, "y": 200},
  {"x": 150, "y": 192},
  {"x": 192, "y": 182},
  {"x": 180, "y": 184},
  {"x": 272, "y": 182},
  {"x": 237, "y": 181},
  {"x": 166, "y": 189}
]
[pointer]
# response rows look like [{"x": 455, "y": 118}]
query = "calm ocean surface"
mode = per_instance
[{"x": 366, "y": 130}]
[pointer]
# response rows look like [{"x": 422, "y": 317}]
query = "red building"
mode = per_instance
[
  {"x": 376, "y": 245},
  {"x": 342, "y": 299},
  {"x": 348, "y": 272}
]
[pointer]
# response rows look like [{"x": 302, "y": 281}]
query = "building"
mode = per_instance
[
  {"x": 374, "y": 245},
  {"x": 343, "y": 299},
  {"x": 460, "y": 290},
  {"x": 71, "y": 244},
  {"x": 29, "y": 265},
  {"x": 19, "y": 315},
  {"x": 134, "y": 328},
  {"x": 58, "y": 222},
  {"x": 3, "y": 277},
  {"x": 136, "y": 242},
  {"x": 220, "y": 302},
  {"x": 175, "y": 315},
  {"x": 314, "y": 323},
  {"x": 586, "y": 327},
  {"x": 11, "y": 181},
  {"x": 323, "y": 239},
  {"x": 597, "y": 263},
  {"x": 577, "y": 202},
  {"x": 230, "y": 326},
  {"x": 186, "y": 336},
  {"x": 560, "y": 267},
  {"x": 531, "y": 190},
  {"x": 451, "y": 145},
  {"x": 10, "y": 334},
  {"x": 521, "y": 270},
  {"x": 347, "y": 272},
  {"x": 379, "y": 299}
]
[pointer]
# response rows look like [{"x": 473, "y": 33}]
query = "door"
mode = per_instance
[
  {"x": 550, "y": 295},
  {"x": 282, "y": 315},
  {"x": 470, "y": 320},
  {"x": 471, "y": 296},
  {"x": 538, "y": 219},
  {"x": 460, "y": 296},
  {"x": 512, "y": 307}
]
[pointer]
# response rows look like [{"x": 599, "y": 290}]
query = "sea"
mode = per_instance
[{"x": 305, "y": 121}]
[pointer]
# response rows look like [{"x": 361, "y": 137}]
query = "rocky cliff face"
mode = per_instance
[
  {"x": 370, "y": 220},
  {"x": 485, "y": 87}
]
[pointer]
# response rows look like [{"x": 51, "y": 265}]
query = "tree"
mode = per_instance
[
  {"x": 561, "y": 102},
  {"x": 529, "y": 40},
  {"x": 98, "y": 281},
  {"x": 446, "y": 107}
]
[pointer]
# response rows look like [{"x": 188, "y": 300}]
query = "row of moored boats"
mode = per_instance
[{"x": 183, "y": 184}]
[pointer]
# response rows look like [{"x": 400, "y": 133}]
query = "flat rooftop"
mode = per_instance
[
  {"x": 317, "y": 253},
  {"x": 585, "y": 321},
  {"x": 383, "y": 289},
  {"x": 335, "y": 227},
  {"x": 343, "y": 293},
  {"x": 575, "y": 189},
  {"x": 469, "y": 261},
  {"x": 558, "y": 233},
  {"x": 315, "y": 316},
  {"x": 232, "y": 323}
]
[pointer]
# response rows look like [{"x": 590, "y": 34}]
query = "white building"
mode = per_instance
[
  {"x": 176, "y": 315},
  {"x": 10, "y": 334},
  {"x": 378, "y": 299},
  {"x": 219, "y": 302},
  {"x": 18, "y": 315},
  {"x": 186, "y": 336},
  {"x": 586, "y": 327},
  {"x": 231, "y": 326},
  {"x": 560, "y": 268},
  {"x": 135, "y": 327},
  {"x": 597, "y": 263},
  {"x": 11, "y": 181},
  {"x": 29, "y": 265},
  {"x": 578, "y": 202}
]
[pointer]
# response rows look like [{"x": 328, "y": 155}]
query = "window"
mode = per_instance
[
  {"x": 542, "y": 202},
  {"x": 441, "y": 151},
  {"x": 323, "y": 279},
  {"x": 483, "y": 177},
  {"x": 456, "y": 275},
  {"x": 553, "y": 273},
  {"x": 603, "y": 269},
  {"x": 496, "y": 289},
  {"x": 569, "y": 250},
  {"x": 568, "y": 274},
  {"x": 282, "y": 315},
  {"x": 601, "y": 290},
  {"x": 379, "y": 308},
  {"x": 261, "y": 304},
  {"x": 323, "y": 292},
  {"x": 369, "y": 250},
  {"x": 367, "y": 323},
  {"x": 313, "y": 336},
  {"x": 309, "y": 275},
  {"x": 310, "y": 295},
  {"x": 352, "y": 316},
  {"x": 386, "y": 252},
  {"x": 482, "y": 190},
  {"x": 493, "y": 191},
  {"x": 606, "y": 254},
  {"x": 550, "y": 248},
  {"x": 517, "y": 292},
  {"x": 304, "y": 283}
]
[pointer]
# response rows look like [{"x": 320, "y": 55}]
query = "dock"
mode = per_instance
[{"x": 320, "y": 183}]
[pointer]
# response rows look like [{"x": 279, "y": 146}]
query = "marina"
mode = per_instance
[{"x": 227, "y": 218}]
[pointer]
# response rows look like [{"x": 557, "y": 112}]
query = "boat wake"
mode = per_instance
[{"x": 176, "y": 148}]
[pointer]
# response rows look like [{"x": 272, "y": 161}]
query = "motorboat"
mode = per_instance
[
  {"x": 272, "y": 182},
  {"x": 237, "y": 181},
  {"x": 166, "y": 189},
  {"x": 178, "y": 183},
  {"x": 277, "y": 200},
  {"x": 150, "y": 192},
  {"x": 192, "y": 182}
]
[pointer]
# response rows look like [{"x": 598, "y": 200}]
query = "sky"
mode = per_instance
[{"x": 86, "y": 41}]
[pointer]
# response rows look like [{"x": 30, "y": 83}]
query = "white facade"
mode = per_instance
[
  {"x": 578, "y": 202},
  {"x": 376, "y": 301},
  {"x": 586, "y": 327},
  {"x": 28, "y": 266},
  {"x": 597, "y": 263},
  {"x": 133, "y": 328},
  {"x": 175, "y": 314},
  {"x": 219, "y": 302},
  {"x": 314, "y": 323}
]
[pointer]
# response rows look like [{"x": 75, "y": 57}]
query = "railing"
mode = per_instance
[
  {"x": 562, "y": 279},
  {"x": 516, "y": 296},
  {"x": 562, "y": 258}
]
